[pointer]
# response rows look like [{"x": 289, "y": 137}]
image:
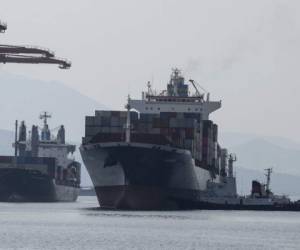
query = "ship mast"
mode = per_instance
[
  {"x": 44, "y": 116},
  {"x": 268, "y": 175},
  {"x": 45, "y": 131}
]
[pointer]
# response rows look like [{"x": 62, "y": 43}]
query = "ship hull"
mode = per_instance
[
  {"x": 23, "y": 185},
  {"x": 144, "y": 176}
]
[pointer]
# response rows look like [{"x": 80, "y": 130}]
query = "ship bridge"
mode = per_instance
[{"x": 175, "y": 99}]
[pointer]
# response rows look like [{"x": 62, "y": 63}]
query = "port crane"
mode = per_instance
[{"x": 28, "y": 54}]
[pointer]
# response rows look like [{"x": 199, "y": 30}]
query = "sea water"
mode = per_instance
[{"x": 80, "y": 225}]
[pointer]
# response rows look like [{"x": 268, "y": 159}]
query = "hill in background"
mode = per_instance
[
  {"x": 22, "y": 98},
  {"x": 257, "y": 152}
]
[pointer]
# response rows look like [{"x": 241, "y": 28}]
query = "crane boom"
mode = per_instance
[
  {"x": 12, "y": 58},
  {"x": 26, "y": 54},
  {"x": 25, "y": 50},
  {"x": 195, "y": 87}
]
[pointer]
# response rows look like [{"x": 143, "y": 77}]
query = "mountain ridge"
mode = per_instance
[{"x": 25, "y": 98}]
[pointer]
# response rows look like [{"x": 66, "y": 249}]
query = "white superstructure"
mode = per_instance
[
  {"x": 175, "y": 99},
  {"x": 44, "y": 144}
]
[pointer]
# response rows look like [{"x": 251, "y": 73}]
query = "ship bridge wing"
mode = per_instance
[
  {"x": 156, "y": 107},
  {"x": 210, "y": 107}
]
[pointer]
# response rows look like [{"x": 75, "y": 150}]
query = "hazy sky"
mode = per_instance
[{"x": 244, "y": 52}]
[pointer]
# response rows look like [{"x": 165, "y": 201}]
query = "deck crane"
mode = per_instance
[
  {"x": 195, "y": 84},
  {"x": 29, "y": 55}
]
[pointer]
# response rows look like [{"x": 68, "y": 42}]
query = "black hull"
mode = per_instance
[
  {"x": 132, "y": 197},
  {"x": 142, "y": 177},
  {"x": 19, "y": 185}
]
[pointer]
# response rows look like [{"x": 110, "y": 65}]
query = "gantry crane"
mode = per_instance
[{"x": 26, "y": 54}]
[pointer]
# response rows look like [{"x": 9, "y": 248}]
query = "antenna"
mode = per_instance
[
  {"x": 149, "y": 87},
  {"x": 176, "y": 72}
]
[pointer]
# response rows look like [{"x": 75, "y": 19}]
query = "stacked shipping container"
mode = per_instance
[
  {"x": 182, "y": 130},
  {"x": 107, "y": 124}
]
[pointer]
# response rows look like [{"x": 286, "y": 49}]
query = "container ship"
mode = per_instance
[
  {"x": 162, "y": 152},
  {"x": 42, "y": 169}
]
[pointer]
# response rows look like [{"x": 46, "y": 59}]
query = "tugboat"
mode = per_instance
[
  {"x": 225, "y": 197},
  {"x": 41, "y": 169}
]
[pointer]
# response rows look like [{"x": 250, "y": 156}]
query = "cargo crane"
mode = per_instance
[
  {"x": 29, "y": 55},
  {"x": 198, "y": 94}
]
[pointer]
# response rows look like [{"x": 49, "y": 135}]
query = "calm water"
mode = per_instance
[{"x": 79, "y": 226}]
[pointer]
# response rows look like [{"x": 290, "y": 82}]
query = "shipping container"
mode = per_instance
[
  {"x": 207, "y": 128},
  {"x": 89, "y": 120},
  {"x": 189, "y": 133},
  {"x": 105, "y": 121},
  {"x": 168, "y": 115},
  {"x": 195, "y": 116},
  {"x": 215, "y": 132}
]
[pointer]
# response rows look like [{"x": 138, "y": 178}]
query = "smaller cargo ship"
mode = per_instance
[{"x": 42, "y": 169}]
